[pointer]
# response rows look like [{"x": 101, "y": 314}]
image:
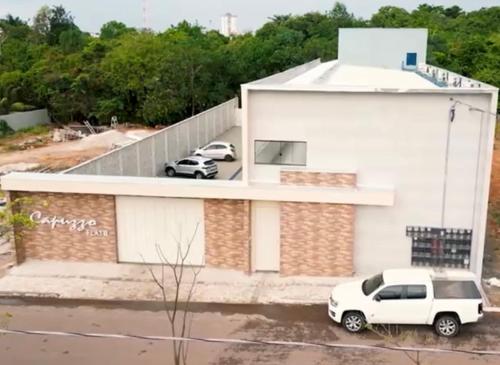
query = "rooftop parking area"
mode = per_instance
[{"x": 147, "y": 157}]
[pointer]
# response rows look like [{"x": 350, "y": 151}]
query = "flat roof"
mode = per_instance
[{"x": 334, "y": 76}]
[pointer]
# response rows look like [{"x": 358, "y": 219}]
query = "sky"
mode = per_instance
[{"x": 91, "y": 14}]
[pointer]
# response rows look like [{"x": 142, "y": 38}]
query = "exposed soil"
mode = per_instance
[
  {"x": 492, "y": 249},
  {"x": 62, "y": 155}
]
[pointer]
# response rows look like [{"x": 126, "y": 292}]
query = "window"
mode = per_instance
[
  {"x": 411, "y": 59},
  {"x": 220, "y": 147},
  {"x": 393, "y": 292},
  {"x": 280, "y": 153},
  {"x": 209, "y": 163},
  {"x": 184, "y": 162},
  {"x": 193, "y": 163},
  {"x": 372, "y": 284},
  {"x": 416, "y": 292},
  {"x": 211, "y": 147}
]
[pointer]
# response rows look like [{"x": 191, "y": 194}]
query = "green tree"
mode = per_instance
[{"x": 114, "y": 29}]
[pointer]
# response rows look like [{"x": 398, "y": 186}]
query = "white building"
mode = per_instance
[
  {"x": 348, "y": 168},
  {"x": 229, "y": 25}
]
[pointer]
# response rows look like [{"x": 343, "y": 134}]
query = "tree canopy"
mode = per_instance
[{"x": 163, "y": 77}]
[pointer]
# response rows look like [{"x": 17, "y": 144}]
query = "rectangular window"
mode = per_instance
[
  {"x": 411, "y": 59},
  {"x": 416, "y": 292},
  {"x": 280, "y": 153},
  {"x": 440, "y": 247},
  {"x": 393, "y": 292}
]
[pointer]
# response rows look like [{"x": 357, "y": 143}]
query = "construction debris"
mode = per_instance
[{"x": 18, "y": 167}]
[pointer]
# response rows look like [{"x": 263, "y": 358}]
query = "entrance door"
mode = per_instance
[
  {"x": 151, "y": 227},
  {"x": 265, "y": 236}
]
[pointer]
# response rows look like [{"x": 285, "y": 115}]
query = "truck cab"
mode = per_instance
[{"x": 444, "y": 299}]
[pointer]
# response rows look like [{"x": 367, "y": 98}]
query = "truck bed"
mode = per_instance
[{"x": 455, "y": 289}]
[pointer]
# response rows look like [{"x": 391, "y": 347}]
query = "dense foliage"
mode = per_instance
[{"x": 163, "y": 77}]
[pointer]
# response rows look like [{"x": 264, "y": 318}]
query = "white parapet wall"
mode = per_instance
[{"x": 146, "y": 158}]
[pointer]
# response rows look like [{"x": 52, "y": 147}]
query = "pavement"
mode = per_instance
[
  {"x": 110, "y": 281},
  {"x": 70, "y": 323}
]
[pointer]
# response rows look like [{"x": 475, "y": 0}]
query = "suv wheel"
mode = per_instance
[
  {"x": 228, "y": 158},
  {"x": 198, "y": 175},
  {"x": 170, "y": 172},
  {"x": 353, "y": 322},
  {"x": 447, "y": 326}
]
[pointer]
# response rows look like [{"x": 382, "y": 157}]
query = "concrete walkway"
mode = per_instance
[{"x": 101, "y": 281}]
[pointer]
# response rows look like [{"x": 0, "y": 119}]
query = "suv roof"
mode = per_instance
[{"x": 196, "y": 158}]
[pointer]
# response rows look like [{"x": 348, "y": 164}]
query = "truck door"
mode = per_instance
[
  {"x": 401, "y": 304},
  {"x": 385, "y": 306}
]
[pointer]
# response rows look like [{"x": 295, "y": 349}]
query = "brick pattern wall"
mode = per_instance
[
  {"x": 322, "y": 179},
  {"x": 317, "y": 238},
  {"x": 61, "y": 243},
  {"x": 227, "y": 234}
]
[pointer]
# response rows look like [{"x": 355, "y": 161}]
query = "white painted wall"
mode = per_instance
[
  {"x": 381, "y": 47},
  {"x": 392, "y": 141},
  {"x": 143, "y": 223},
  {"x": 265, "y": 236}
]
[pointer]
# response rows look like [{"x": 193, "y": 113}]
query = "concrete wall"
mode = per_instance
[
  {"x": 394, "y": 141},
  {"x": 147, "y": 157},
  {"x": 379, "y": 47},
  {"x": 26, "y": 119}
]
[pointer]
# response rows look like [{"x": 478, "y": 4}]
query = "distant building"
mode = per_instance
[{"x": 229, "y": 24}]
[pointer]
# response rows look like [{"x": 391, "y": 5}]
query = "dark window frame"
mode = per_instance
[
  {"x": 401, "y": 296},
  {"x": 406, "y": 287},
  {"x": 276, "y": 141}
]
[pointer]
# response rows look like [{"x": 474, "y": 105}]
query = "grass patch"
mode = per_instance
[{"x": 36, "y": 130}]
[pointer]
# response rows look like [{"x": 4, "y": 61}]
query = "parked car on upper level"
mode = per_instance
[
  {"x": 445, "y": 300},
  {"x": 217, "y": 151},
  {"x": 194, "y": 166}
]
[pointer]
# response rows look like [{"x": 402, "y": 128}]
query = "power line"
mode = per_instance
[
  {"x": 254, "y": 342},
  {"x": 474, "y": 108}
]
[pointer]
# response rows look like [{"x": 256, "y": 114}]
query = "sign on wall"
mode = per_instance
[{"x": 77, "y": 225}]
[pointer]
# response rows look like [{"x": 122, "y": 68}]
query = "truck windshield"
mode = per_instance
[{"x": 371, "y": 284}]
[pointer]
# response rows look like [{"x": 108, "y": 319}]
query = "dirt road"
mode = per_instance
[{"x": 237, "y": 322}]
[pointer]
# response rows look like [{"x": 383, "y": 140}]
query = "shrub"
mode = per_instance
[
  {"x": 5, "y": 128},
  {"x": 21, "y": 107}
]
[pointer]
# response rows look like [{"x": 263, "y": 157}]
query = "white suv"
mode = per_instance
[
  {"x": 218, "y": 151},
  {"x": 195, "y": 166}
]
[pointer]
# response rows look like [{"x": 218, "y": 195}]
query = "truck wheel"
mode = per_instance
[
  {"x": 170, "y": 172},
  {"x": 353, "y": 322},
  {"x": 447, "y": 326},
  {"x": 198, "y": 175}
]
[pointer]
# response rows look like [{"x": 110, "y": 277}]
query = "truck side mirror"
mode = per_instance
[{"x": 376, "y": 298}]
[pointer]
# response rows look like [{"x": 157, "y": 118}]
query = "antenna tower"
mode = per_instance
[{"x": 145, "y": 14}]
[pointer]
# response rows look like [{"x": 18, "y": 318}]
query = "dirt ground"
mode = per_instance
[
  {"x": 492, "y": 248},
  {"x": 268, "y": 322},
  {"x": 54, "y": 156}
]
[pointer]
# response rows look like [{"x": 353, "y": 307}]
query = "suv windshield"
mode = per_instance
[
  {"x": 209, "y": 163},
  {"x": 371, "y": 284}
]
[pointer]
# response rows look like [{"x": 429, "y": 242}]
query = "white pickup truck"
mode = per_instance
[{"x": 445, "y": 300}]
